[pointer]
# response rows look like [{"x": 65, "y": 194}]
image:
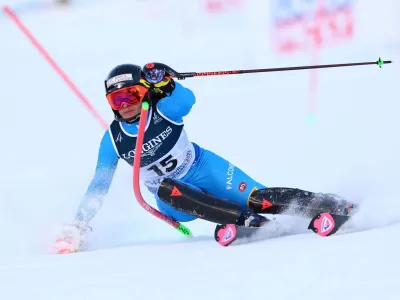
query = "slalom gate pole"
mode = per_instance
[
  {"x": 136, "y": 172},
  {"x": 29, "y": 35}
]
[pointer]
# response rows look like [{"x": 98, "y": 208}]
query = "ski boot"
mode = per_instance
[
  {"x": 339, "y": 205},
  {"x": 246, "y": 226},
  {"x": 248, "y": 218}
]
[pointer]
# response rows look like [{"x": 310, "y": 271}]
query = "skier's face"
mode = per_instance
[{"x": 129, "y": 111}]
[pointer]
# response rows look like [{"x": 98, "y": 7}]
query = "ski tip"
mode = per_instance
[
  {"x": 225, "y": 234},
  {"x": 322, "y": 224},
  {"x": 326, "y": 224}
]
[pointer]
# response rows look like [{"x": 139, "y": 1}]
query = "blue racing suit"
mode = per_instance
[{"x": 166, "y": 152}]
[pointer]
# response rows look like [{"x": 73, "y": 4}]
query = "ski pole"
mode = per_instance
[{"x": 182, "y": 76}]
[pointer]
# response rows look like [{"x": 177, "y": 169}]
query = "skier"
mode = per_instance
[{"x": 167, "y": 152}]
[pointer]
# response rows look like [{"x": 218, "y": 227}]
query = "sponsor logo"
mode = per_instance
[
  {"x": 326, "y": 224},
  {"x": 228, "y": 235},
  {"x": 152, "y": 151},
  {"x": 242, "y": 186},
  {"x": 119, "y": 78},
  {"x": 151, "y": 146},
  {"x": 154, "y": 75},
  {"x": 175, "y": 192},
  {"x": 178, "y": 171},
  {"x": 229, "y": 173},
  {"x": 119, "y": 138},
  {"x": 156, "y": 118},
  {"x": 265, "y": 204}
]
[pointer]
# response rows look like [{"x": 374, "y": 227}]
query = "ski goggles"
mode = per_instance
[{"x": 130, "y": 95}]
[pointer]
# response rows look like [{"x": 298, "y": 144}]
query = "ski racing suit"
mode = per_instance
[{"x": 167, "y": 152}]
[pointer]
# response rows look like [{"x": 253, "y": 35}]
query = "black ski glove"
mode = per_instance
[{"x": 158, "y": 80}]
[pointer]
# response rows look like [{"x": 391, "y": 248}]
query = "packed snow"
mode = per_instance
[{"x": 258, "y": 122}]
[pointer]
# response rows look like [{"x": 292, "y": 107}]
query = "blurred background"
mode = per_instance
[{"x": 327, "y": 130}]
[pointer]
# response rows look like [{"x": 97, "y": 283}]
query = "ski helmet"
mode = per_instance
[{"x": 123, "y": 86}]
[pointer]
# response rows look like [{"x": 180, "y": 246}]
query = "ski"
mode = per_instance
[
  {"x": 328, "y": 212},
  {"x": 228, "y": 234},
  {"x": 323, "y": 224},
  {"x": 326, "y": 224}
]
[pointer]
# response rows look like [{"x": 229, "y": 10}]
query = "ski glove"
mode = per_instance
[
  {"x": 157, "y": 80},
  {"x": 71, "y": 237}
]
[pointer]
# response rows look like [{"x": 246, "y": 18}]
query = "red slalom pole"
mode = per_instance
[
  {"x": 10, "y": 13},
  {"x": 136, "y": 172}
]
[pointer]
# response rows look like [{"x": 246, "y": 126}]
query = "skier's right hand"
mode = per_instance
[
  {"x": 158, "y": 80},
  {"x": 71, "y": 237}
]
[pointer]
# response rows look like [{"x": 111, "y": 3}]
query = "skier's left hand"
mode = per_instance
[
  {"x": 71, "y": 237},
  {"x": 157, "y": 80}
]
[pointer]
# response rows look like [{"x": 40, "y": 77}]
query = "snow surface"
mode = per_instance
[{"x": 50, "y": 142}]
